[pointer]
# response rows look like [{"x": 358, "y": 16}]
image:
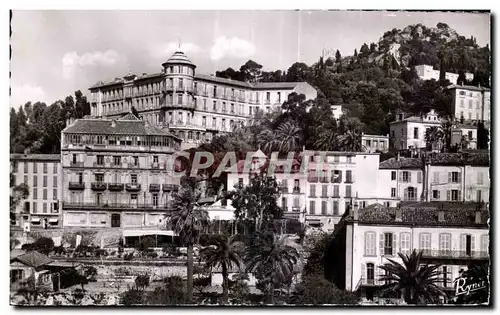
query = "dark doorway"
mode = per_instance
[{"x": 468, "y": 245}]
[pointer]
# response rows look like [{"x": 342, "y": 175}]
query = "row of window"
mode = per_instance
[
  {"x": 324, "y": 191},
  {"x": 117, "y": 199},
  {"x": 453, "y": 177},
  {"x": 52, "y": 207},
  {"x": 240, "y": 110},
  {"x": 34, "y": 193},
  {"x": 405, "y": 176},
  {"x": 324, "y": 207},
  {"x": 123, "y": 140},
  {"x": 462, "y": 101},
  {"x": 388, "y": 243},
  {"x": 34, "y": 167},
  {"x": 35, "y": 181}
]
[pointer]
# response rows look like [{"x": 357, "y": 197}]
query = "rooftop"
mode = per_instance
[
  {"x": 123, "y": 126},
  {"x": 424, "y": 214},
  {"x": 473, "y": 159},
  {"x": 35, "y": 157},
  {"x": 33, "y": 259},
  {"x": 400, "y": 163},
  {"x": 276, "y": 85},
  {"x": 210, "y": 78},
  {"x": 179, "y": 57},
  {"x": 467, "y": 87}
]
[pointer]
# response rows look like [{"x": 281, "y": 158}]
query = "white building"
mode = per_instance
[
  {"x": 374, "y": 143},
  {"x": 42, "y": 173},
  {"x": 455, "y": 177},
  {"x": 337, "y": 111},
  {"x": 472, "y": 103},
  {"x": 427, "y": 72},
  {"x": 400, "y": 179},
  {"x": 409, "y": 133},
  {"x": 368, "y": 237}
]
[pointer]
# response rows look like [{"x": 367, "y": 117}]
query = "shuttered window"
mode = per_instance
[
  {"x": 405, "y": 245},
  {"x": 370, "y": 247}
]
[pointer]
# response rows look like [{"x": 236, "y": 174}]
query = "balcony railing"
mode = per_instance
[
  {"x": 76, "y": 164},
  {"x": 155, "y": 165},
  {"x": 426, "y": 253},
  {"x": 296, "y": 190},
  {"x": 154, "y": 187},
  {"x": 296, "y": 209},
  {"x": 115, "y": 187},
  {"x": 76, "y": 186},
  {"x": 132, "y": 187},
  {"x": 114, "y": 205},
  {"x": 99, "y": 186},
  {"x": 323, "y": 179},
  {"x": 348, "y": 181},
  {"x": 283, "y": 190},
  {"x": 170, "y": 187}
]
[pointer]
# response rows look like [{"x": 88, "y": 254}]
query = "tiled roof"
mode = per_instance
[
  {"x": 276, "y": 85},
  {"x": 149, "y": 76},
  {"x": 179, "y": 57},
  {"x": 105, "y": 126},
  {"x": 473, "y": 159},
  {"x": 210, "y": 78},
  {"x": 467, "y": 87},
  {"x": 16, "y": 253},
  {"x": 33, "y": 259},
  {"x": 424, "y": 214},
  {"x": 395, "y": 163},
  {"x": 129, "y": 116},
  {"x": 35, "y": 157}
]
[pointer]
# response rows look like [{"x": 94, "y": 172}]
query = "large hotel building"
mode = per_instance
[{"x": 194, "y": 106}]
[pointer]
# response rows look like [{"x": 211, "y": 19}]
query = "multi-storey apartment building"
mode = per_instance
[
  {"x": 42, "y": 174},
  {"x": 319, "y": 193},
  {"x": 427, "y": 72},
  {"x": 454, "y": 235},
  {"x": 194, "y": 106},
  {"x": 472, "y": 103},
  {"x": 458, "y": 177},
  {"x": 116, "y": 173}
]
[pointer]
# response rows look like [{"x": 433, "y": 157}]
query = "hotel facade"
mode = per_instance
[
  {"x": 194, "y": 106},
  {"x": 116, "y": 173}
]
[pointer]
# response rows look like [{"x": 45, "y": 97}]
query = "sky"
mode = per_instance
[{"x": 55, "y": 53}]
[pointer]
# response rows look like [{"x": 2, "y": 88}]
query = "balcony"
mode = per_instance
[
  {"x": 170, "y": 187},
  {"x": 98, "y": 186},
  {"x": 296, "y": 209},
  {"x": 336, "y": 195},
  {"x": 114, "y": 206},
  {"x": 348, "y": 181},
  {"x": 155, "y": 165},
  {"x": 323, "y": 180},
  {"x": 296, "y": 190},
  {"x": 132, "y": 187},
  {"x": 454, "y": 254},
  {"x": 283, "y": 190},
  {"x": 115, "y": 187},
  {"x": 76, "y": 186},
  {"x": 154, "y": 187},
  {"x": 76, "y": 164},
  {"x": 312, "y": 179}
]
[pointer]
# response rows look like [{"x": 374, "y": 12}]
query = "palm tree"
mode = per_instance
[
  {"x": 289, "y": 137},
  {"x": 188, "y": 221},
  {"x": 266, "y": 140},
  {"x": 433, "y": 135},
  {"x": 446, "y": 126},
  {"x": 224, "y": 251},
  {"x": 272, "y": 259},
  {"x": 350, "y": 141},
  {"x": 327, "y": 138},
  {"x": 414, "y": 279}
]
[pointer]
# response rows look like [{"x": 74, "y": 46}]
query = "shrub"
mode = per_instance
[
  {"x": 316, "y": 290},
  {"x": 101, "y": 252},
  {"x": 132, "y": 297},
  {"x": 128, "y": 256},
  {"x": 142, "y": 281},
  {"x": 122, "y": 271},
  {"x": 90, "y": 273}
]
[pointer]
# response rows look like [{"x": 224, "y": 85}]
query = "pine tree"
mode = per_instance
[
  {"x": 355, "y": 52},
  {"x": 338, "y": 56}
]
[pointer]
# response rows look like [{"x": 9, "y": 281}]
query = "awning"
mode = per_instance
[
  {"x": 53, "y": 220},
  {"x": 36, "y": 220},
  {"x": 128, "y": 233}
]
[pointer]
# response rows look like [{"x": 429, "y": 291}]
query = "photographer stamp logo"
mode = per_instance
[{"x": 462, "y": 287}]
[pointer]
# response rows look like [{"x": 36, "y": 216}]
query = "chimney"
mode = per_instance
[
  {"x": 440, "y": 216},
  {"x": 478, "y": 217},
  {"x": 398, "y": 157},
  {"x": 462, "y": 83},
  {"x": 355, "y": 211},
  {"x": 399, "y": 214}
]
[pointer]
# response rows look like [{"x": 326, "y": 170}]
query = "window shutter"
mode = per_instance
[
  {"x": 421, "y": 241},
  {"x": 462, "y": 242},
  {"x": 416, "y": 193},
  {"x": 448, "y": 195},
  {"x": 406, "y": 194},
  {"x": 366, "y": 243},
  {"x": 409, "y": 176},
  {"x": 401, "y": 249},
  {"x": 376, "y": 273},
  {"x": 381, "y": 244},
  {"x": 459, "y": 195},
  {"x": 400, "y": 176},
  {"x": 459, "y": 177},
  {"x": 394, "y": 245},
  {"x": 419, "y": 177},
  {"x": 438, "y": 195},
  {"x": 473, "y": 244},
  {"x": 363, "y": 271},
  {"x": 449, "y": 177}
]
